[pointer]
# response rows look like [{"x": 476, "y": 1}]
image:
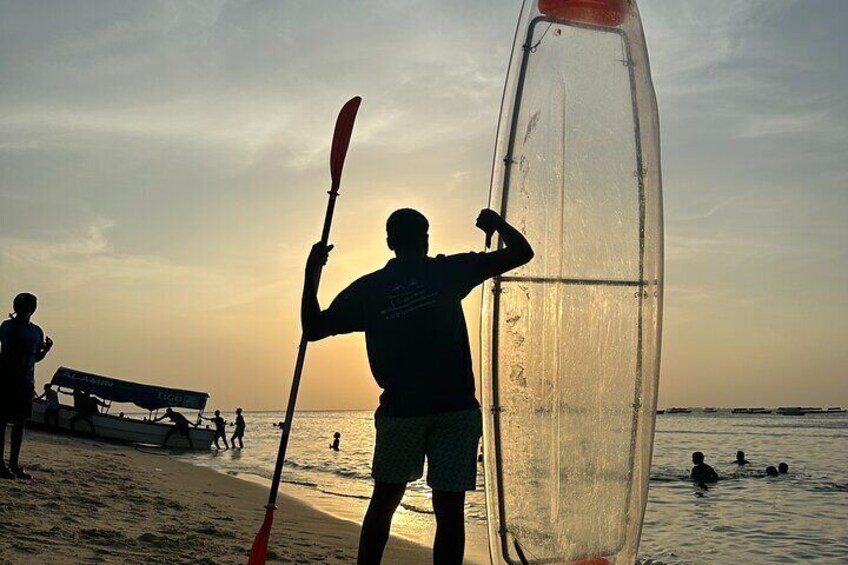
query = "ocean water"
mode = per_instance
[{"x": 747, "y": 517}]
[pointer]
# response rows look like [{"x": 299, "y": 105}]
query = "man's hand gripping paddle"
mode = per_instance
[{"x": 338, "y": 152}]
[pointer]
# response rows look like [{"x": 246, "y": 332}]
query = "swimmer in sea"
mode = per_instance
[
  {"x": 701, "y": 472},
  {"x": 336, "y": 439},
  {"x": 783, "y": 468},
  {"x": 740, "y": 458},
  {"x": 771, "y": 471}
]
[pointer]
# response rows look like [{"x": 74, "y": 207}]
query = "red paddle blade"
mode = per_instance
[
  {"x": 341, "y": 139},
  {"x": 260, "y": 543}
]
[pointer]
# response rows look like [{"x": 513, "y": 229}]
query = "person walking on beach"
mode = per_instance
[
  {"x": 220, "y": 429},
  {"x": 181, "y": 425},
  {"x": 51, "y": 412},
  {"x": 701, "y": 472},
  {"x": 22, "y": 345},
  {"x": 418, "y": 349},
  {"x": 239, "y": 433}
]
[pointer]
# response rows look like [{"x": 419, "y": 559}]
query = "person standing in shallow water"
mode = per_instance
[
  {"x": 740, "y": 458},
  {"x": 701, "y": 472},
  {"x": 337, "y": 438},
  {"x": 418, "y": 349},
  {"x": 181, "y": 426},
  {"x": 239, "y": 433},
  {"x": 22, "y": 345},
  {"x": 220, "y": 429}
]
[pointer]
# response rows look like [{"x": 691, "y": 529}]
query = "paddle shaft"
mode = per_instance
[{"x": 298, "y": 366}]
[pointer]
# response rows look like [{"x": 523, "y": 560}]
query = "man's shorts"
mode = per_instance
[{"x": 449, "y": 441}]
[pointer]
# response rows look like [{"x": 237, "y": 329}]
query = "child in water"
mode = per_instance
[{"x": 336, "y": 439}]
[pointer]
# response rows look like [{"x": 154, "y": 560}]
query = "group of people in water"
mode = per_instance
[
  {"x": 703, "y": 474},
  {"x": 221, "y": 429}
]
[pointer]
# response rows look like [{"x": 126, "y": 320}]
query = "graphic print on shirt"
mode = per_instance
[{"x": 407, "y": 298}]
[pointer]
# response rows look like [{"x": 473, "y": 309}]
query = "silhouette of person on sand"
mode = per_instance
[
  {"x": 740, "y": 458},
  {"x": 51, "y": 411},
  {"x": 418, "y": 349},
  {"x": 22, "y": 345},
  {"x": 220, "y": 429},
  {"x": 181, "y": 425},
  {"x": 702, "y": 473},
  {"x": 85, "y": 406},
  {"x": 238, "y": 434},
  {"x": 337, "y": 437}
]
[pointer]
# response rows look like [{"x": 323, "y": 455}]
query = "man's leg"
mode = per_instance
[
  {"x": 378, "y": 522},
  {"x": 167, "y": 436},
  {"x": 452, "y": 470},
  {"x": 449, "y": 546},
  {"x": 3, "y": 423},
  {"x": 17, "y": 439},
  {"x": 187, "y": 433}
]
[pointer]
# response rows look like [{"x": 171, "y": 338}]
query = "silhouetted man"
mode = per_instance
[
  {"x": 740, "y": 458},
  {"x": 22, "y": 345},
  {"x": 181, "y": 425},
  {"x": 701, "y": 472},
  {"x": 417, "y": 343},
  {"x": 51, "y": 410},
  {"x": 220, "y": 429},
  {"x": 240, "y": 427}
]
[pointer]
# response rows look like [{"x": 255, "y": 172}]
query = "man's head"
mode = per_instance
[
  {"x": 168, "y": 410},
  {"x": 697, "y": 458},
  {"x": 217, "y": 412},
  {"x": 740, "y": 456},
  {"x": 406, "y": 233},
  {"x": 771, "y": 471},
  {"x": 783, "y": 468},
  {"x": 25, "y": 305},
  {"x": 238, "y": 410},
  {"x": 46, "y": 387}
]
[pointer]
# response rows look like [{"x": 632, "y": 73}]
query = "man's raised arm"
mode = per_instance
[
  {"x": 311, "y": 321},
  {"x": 516, "y": 250}
]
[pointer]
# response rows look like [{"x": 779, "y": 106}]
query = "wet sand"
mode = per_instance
[{"x": 94, "y": 502}]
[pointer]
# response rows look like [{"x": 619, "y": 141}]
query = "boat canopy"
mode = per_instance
[{"x": 149, "y": 397}]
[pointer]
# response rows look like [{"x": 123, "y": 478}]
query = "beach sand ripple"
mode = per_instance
[{"x": 93, "y": 502}]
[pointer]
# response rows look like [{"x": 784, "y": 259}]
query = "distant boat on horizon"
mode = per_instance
[
  {"x": 758, "y": 410},
  {"x": 678, "y": 411}
]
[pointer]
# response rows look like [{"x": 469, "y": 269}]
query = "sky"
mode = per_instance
[{"x": 163, "y": 173}]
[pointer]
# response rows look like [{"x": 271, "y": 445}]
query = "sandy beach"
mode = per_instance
[{"x": 93, "y": 502}]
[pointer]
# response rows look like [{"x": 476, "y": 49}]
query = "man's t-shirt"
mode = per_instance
[
  {"x": 21, "y": 341},
  {"x": 178, "y": 419},
  {"x": 415, "y": 332},
  {"x": 219, "y": 424}
]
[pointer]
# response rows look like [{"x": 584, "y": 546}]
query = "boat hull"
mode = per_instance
[{"x": 128, "y": 430}]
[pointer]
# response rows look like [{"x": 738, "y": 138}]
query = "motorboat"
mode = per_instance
[{"x": 119, "y": 427}]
